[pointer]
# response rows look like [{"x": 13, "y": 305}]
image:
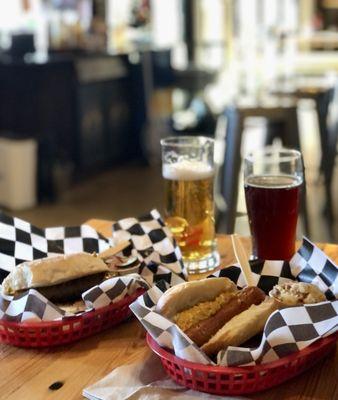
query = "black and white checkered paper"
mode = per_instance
[
  {"x": 285, "y": 332},
  {"x": 21, "y": 241},
  {"x": 32, "y": 306},
  {"x": 152, "y": 241}
]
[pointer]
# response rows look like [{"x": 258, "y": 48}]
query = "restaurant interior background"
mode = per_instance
[{"x": 88, "y": 88}]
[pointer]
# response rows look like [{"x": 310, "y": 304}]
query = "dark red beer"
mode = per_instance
[{"x": 272, "y": 204}]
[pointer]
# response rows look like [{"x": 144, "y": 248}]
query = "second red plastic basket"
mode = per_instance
[
  {"x": 54, "y": 333},
  {"x": 241, "y": 380}
]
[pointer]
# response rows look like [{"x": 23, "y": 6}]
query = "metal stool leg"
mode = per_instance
[
  {"x": 329, "y": 171},
  {"x": 293, "y": 140},
  {"x": 231, "y": 170},
  {"x": 323, "y": 101}
]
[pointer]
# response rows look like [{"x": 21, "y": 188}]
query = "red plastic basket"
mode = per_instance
[
  {"x": 54, "y": 333},
  {"x": 241, "y": 380}
]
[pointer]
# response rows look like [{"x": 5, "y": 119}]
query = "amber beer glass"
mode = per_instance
[
  {"x": 188, "y": 172},
  {"x": 272, "y": 183}
]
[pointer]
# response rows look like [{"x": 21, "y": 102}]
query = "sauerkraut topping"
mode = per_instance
[{"x": 188, "y": 318}]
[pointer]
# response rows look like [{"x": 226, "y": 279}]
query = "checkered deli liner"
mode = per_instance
[
  {"x": 285, "y": 332},
  {"x": 20, "y": 241},
  {"x": 152, "y": 242}
]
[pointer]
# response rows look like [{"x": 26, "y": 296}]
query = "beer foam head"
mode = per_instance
[{"x": 187, "y": 171}]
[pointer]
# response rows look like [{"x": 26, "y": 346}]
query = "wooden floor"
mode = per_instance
[
  {"x": 121, "y": 192},
  {"x": 133, "y": 190}
]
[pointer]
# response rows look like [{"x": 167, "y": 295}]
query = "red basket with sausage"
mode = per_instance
[{"x": 217, "y": 317}]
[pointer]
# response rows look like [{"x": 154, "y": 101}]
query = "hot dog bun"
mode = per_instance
[
  {"x": 59, "y": 277},
  {"x": 241, "y": 327},
  {"x": 214, "y": 314},
  {"x": 186, "y": 295}
]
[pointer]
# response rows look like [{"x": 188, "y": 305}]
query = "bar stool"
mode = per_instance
[
  {"x": 321, "y": 91},
  {"x": 229, "y": 174}
]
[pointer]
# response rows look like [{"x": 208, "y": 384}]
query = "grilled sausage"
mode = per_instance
[{"x": 201, "y": 332}]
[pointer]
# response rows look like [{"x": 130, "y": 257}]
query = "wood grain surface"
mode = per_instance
[{"x": 28, "y": 374}]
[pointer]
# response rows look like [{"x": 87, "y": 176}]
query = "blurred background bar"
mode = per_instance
[{"x": 89, "y": 87}]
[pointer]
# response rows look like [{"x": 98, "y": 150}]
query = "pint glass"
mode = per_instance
[
  {"x": 272, "y": 182},
  {"x": 188, "y": 172}
]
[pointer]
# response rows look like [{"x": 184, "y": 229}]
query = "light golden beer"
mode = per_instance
[{"x": 189, "y": 207}]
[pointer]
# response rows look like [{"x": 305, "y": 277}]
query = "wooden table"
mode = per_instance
[{"x": 27, "y": 374}]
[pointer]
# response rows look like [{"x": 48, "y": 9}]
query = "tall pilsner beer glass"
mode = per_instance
[{"x": 188, "y": 171}]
